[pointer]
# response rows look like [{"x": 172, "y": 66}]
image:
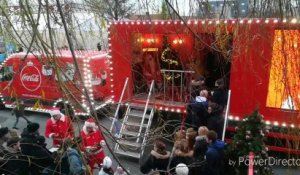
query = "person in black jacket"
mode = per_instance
[
  {"x": 19, "y": 112},
  {"x": 220, "y": 94},
  {"x": 182, "y": 155},
  {"x": 200, "y": 149},
  {"x": 215, "y": 120},
  {"x": 31, "y": 147},
  {"x": 15, "y": 162},
  {"x": 157, "y": 160}
]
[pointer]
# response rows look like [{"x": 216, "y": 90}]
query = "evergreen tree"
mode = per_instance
[
  {"x": 249, "y": 137},
  {"x": 164, "y": 10}
]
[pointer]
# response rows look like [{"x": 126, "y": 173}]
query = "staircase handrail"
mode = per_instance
[
  {"x": 226, "y": 115},
  {"x": 120, "y": 101},
  {"x": 146, "y": 132},
  {"x": 145, "y": 110}
]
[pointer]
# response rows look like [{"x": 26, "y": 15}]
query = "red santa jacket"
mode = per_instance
[
  {"x": 92, "y": 139},
  {"x": 63, "y": 127}
]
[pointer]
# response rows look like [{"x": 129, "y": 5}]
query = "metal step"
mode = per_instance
[
  {"x": 128, "y": 153},
  {"x": 135, "y": 124},
  {"x": 128, "y": 143},
  {"x": 130, "y": 133},
  {"x": 138, "y": 113},
  {"x": 140, "y": 106}
]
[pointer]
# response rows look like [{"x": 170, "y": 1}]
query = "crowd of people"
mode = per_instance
[
  {"x": 28, "y": 154},
  {"x": 194, "y": 152}
]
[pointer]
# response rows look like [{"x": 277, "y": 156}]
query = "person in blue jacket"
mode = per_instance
[{"x": 214, "y": 154}]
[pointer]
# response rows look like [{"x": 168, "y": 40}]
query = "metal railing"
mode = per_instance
[
  {"x": 119, "y": 104},
  {"x": 226, "y": 115},
  {"x": 145, "y": 110},
  {"x": 172, "y": 74}
]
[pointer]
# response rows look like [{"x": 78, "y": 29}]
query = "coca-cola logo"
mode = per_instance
[{"x": 30, "y": 78}]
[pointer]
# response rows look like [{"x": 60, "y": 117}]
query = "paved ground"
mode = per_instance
[{"x": 6, "y": 119}]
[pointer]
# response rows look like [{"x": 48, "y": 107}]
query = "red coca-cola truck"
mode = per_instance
[
  {"x": 258, "y": 59},
  {"x": 45, "y": 81}
]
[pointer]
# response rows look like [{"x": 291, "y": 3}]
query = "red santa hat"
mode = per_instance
[
  {"x": 55, "y": 111},
  {"x": 90, "y": 123}
]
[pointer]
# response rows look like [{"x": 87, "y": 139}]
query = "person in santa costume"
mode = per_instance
[
  {"x": 92, "y": 142},
  {"x": 59, "y": 127}
]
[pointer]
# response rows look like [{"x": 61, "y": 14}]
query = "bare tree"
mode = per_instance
[{"x": 111, "y": 9}]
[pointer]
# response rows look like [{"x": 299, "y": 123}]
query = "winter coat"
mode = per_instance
[
  {"x": 63, "y": 127},
  {"x": 90, "y": 140},
  {"x": 183, "y": 158},
  {"x": 75, "y": 162},
  {"x": 19, "y": 110},
  {"x": 200, "y": 148},
  {"x": 156, "y": 161},
  {"x": 215, "y": 120},
  {"x": 220, "y": 97},
  {"x": 106, "y": 171},
  {"x": 197, "y": 112},
  {"x": 214, "y": 158},
  {"x": 38, "y": 154},
  {"x": 15, "y": 163}
]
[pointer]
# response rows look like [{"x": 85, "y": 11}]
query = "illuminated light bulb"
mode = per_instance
[
  {"x": 172, "y": 110},
  {"x": 276, "y": 123},
  {"x": 237, "y": 118},
  {"x": 144, "y": 22},
  {"x": 111, "y": 68},
  {"x": 175, "y": 22},
  {"x": 162, "y": 22},
  {"x": 267, "y": 21},
  {"x": 268, "y": 122},
  {"x": 112, "y": 91},
  {"x": 210, "y": 22},
  {"x": 284, "y": 20},
  {"x": 189, "y": 22},
  {"x": 112, "y": 85},
  {"x": 126, "y": 23},
  {"x": 218, "y": 22},
  {"x": 292, "y": 126},
  {"x": 132, "y": 23},
  {"x": 167, "y": 109},
  {"x": 225, "y": 21},
  {"x": 196, "y": 22},
  {"x": 294, "y": 20},
  {"x": 249, "y": 21},
  {"x": 283, "y": 125},
  {"x": 160, "y": 108},
  {"x": 155, "y": 22},
  {"x": 175, "y": 41},
  {"x": 111, "y": 74},
  {"x": 181, "y": 22},
  {"x": 241, "y": 21},
  {"x": 168, "y": 22},
  {"x": 233, "y": 22},
  {"x": 275, "y": 21},
  {"x": 178, "y": 110},
  {"x": 230, "y": 117},
  {"x": 180, "y": 41}
]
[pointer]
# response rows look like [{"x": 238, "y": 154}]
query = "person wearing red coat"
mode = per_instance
[
  {"x": 92, "y": 142},
  {"x": 59, "y": 127}
]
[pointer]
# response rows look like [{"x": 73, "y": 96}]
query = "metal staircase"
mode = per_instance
[{"x": 135, "y": 126}]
